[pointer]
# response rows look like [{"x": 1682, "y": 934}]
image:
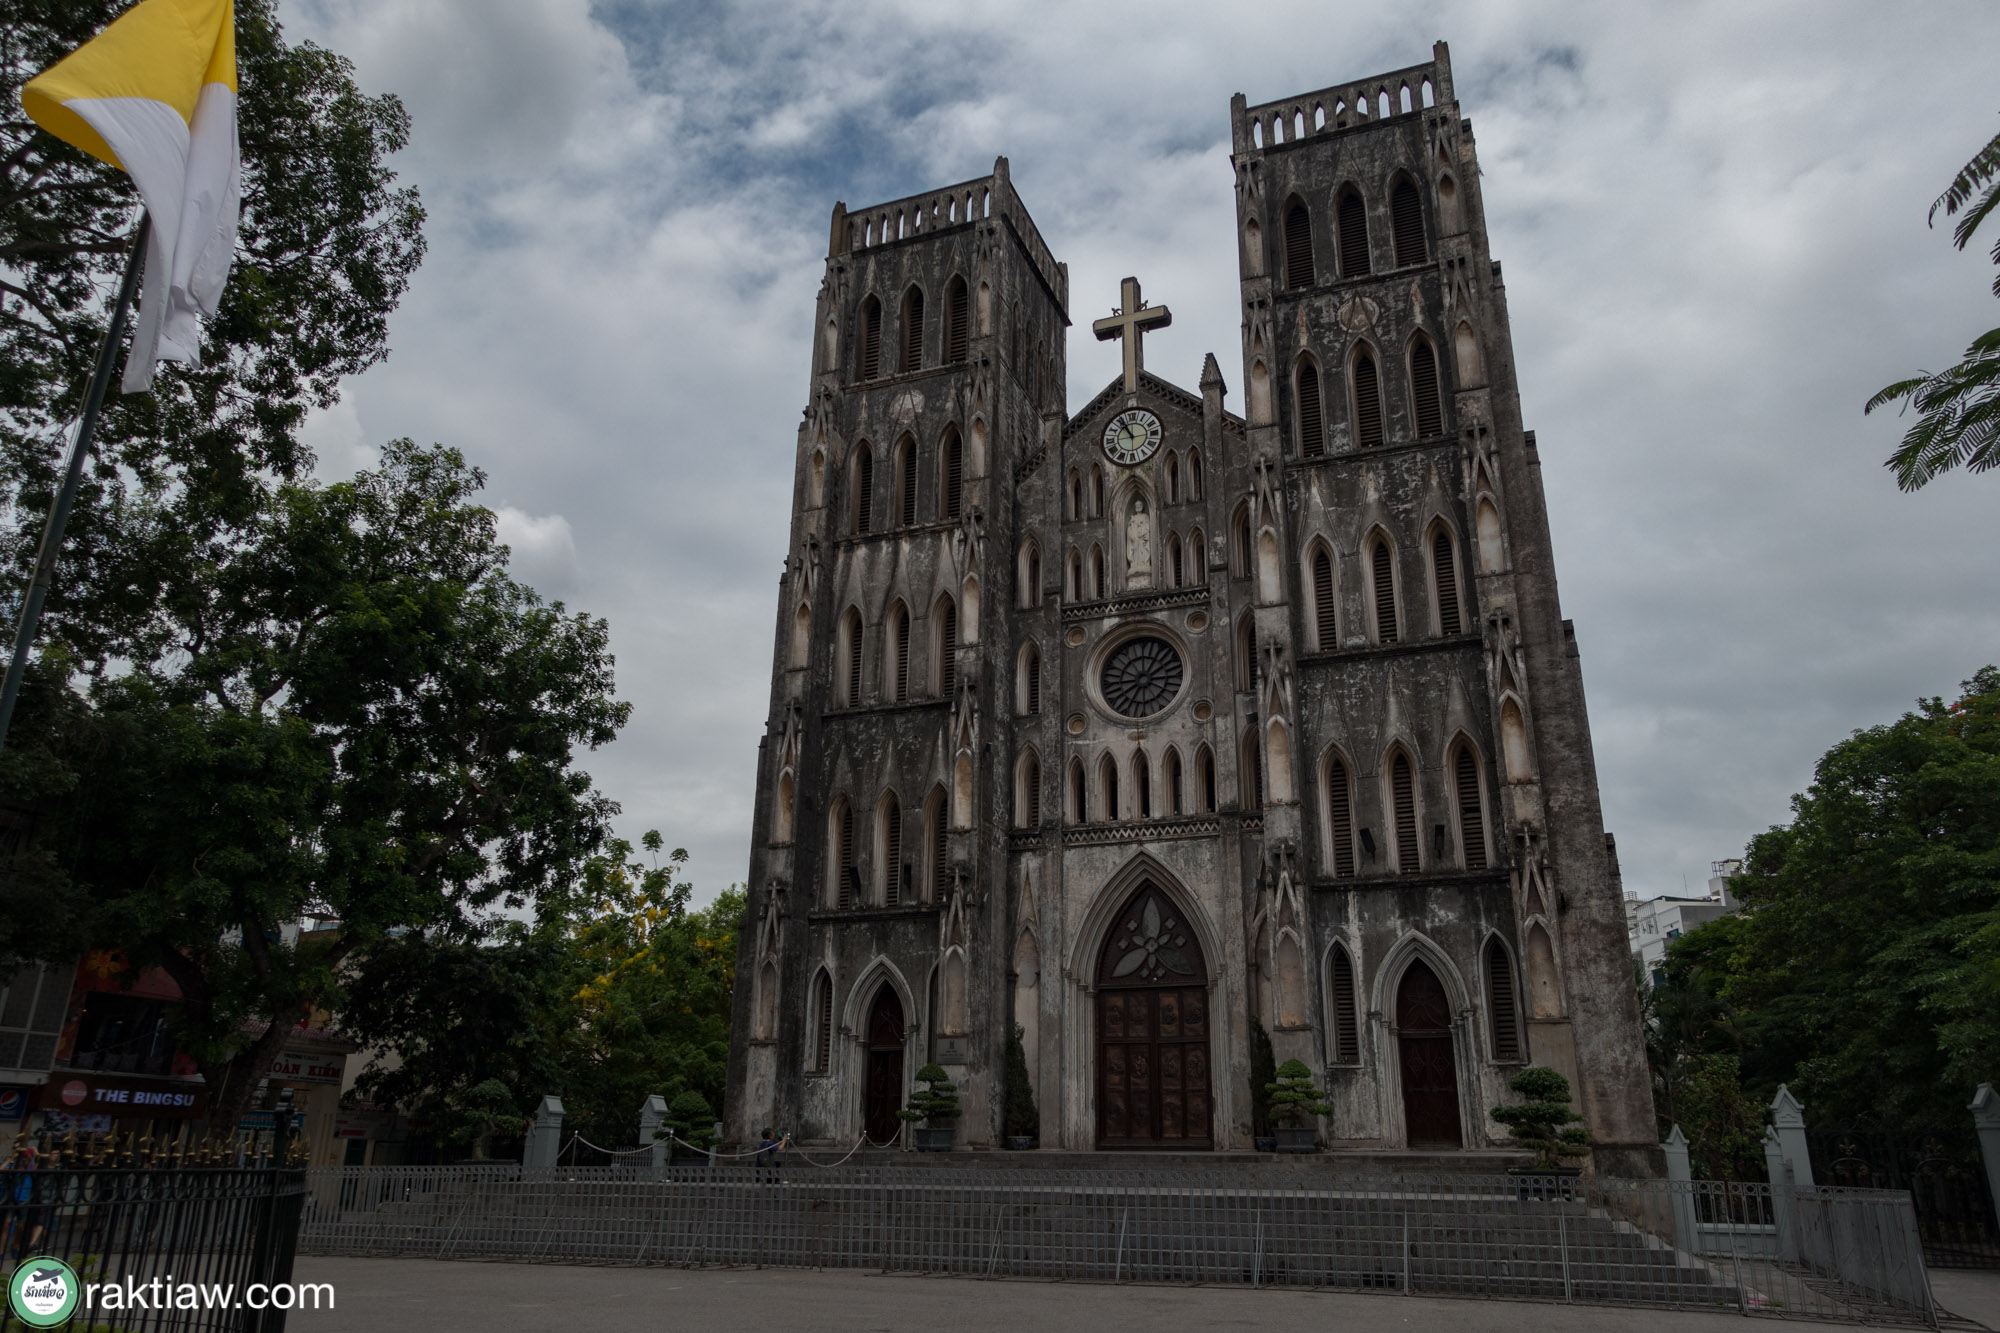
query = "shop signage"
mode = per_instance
[
  {"x": 129, "y": 1098},
  {"x": 14, "y": 1101},
  {"x": 309, "y": 1067}
]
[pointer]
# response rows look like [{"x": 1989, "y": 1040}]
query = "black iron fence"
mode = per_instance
[
  {"x": 182, "y": 1236},
  {"x": 1837, "y": 1254},
  {"x": 1943, "y": 1171}
]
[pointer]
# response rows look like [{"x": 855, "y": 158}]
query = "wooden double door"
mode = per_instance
[
  {"x": 1153, "y": 1030},
  {"x": 1429, "y": 1065},
  {"x": 884, "y": 1086}
]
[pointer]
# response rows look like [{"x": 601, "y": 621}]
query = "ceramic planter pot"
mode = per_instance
[
  {"x": 935, "y": 1140},
  {"x": 1291, "y": 1139}
]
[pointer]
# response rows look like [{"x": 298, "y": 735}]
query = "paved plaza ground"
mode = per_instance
[{"x": 428, "y": 1294}]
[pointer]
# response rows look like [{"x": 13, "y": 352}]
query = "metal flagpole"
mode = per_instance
[{"x": 52, "y": 534}]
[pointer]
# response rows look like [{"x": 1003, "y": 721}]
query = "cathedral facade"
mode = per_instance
[{"x": 1146, "y": 727}]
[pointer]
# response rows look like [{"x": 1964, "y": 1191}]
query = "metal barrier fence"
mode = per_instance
[
  {"x": 207, "y": 1231},
  {"x": 1845, "y": 1254}
]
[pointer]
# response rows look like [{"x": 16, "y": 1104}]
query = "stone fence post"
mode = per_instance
[
  {"x": 1788, "y": 1125},
  {"x": 544, "y": 1140},
  {"x": 1784, "y": 1194},
  {"x": 1680, "y": 1184},
  {"x": 652, "y": 1116},
  {"x": 1985, "y": 1110}
]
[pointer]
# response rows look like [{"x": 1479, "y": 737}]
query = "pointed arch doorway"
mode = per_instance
[
  {"x": 883, "y": 1087},
  {"x": 1153, "y": 1088},
  {"x": 1430, "y": 1070}
]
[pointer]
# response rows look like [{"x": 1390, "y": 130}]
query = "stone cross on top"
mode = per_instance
[{"x": 1130, "y": 322}]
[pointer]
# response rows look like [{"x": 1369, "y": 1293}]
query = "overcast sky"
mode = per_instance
[{"x": 1711, "y": 218}]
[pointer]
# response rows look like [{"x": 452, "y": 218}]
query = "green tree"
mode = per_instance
[
  {"x": 1294, "y": 1097},
  {"x": 479, "y": 1114},
  {"x": 1958, "y": 409},
  {"x": 1543, "y": 1120},
  {"x": 1724, "y": 1127},
  {"x": 350, "y": 713},
  {"x": 327, "y": 245},
  {"x": 1865, "y": 966}
]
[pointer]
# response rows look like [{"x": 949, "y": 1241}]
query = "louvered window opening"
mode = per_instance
[
  {"x": 1445, "y": 567},
  {"x": 948, "y": 651},
  {"x": 892, "y": 874},
  {"x": 939, "y": 867},
  {"x": 1034, "y": 680},
  {"x": 1471, "y": 819},
  {"x": 955, "y": 324},
  {"x": 1175, "y": 797},
  {"x": 1424, "y": 391},
  {"x": 1403, "y": 795},
  {"x": 1247, "y": 668},
  {"x": 1353, "y": 236},
  {"x": 871, "y": 339},
  {"x": 1208, "y": 781},
  {"x": 1385, "y": 592},
  {"x": 1193, "y": 475},
  {"x": 1323, "y": 610},
  {"x": 1097, "y": 572},
  {"x": 1142, "y": 785},
  {"x": 853, "y": 662},
  {"x": 1298, "y": 248},
  {"x": 1109, "y": 774},
  {"x": 1340, "y": 816},
  {"x": 1173, "y": 479},
  {"x": 913, "y": 331},
  {"x": 906, "y": 486},
  {"x": 1367, "y": 401},
  {"x": 902, "y": 657},
  {"x": 864, "y": 492},
  {"x": 1253, "y": 759},
  {"x": 1346, "y": 1019},
  {"x": 954, "y": 475},
  {"x": 1079, "y": 809},
  {"x": 1500, "y": 998},
  {"x": 1407, "y": 222},
  {"x": 1031, "y": 815},
  {"x": 823, "y": 1041},
  {"x": 1312, "y": 421},
  {"x": 1174, "y": 558},
  {"x": 847, "y": 871}
]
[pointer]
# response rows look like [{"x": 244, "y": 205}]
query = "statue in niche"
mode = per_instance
[{"x": 1139, "y": 547}]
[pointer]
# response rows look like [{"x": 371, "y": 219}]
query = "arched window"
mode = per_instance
[
  {"x": 899, "y": 652},
  {"x": 1253, "y": 771},
  {"x": 1173, "y": 477},
  {"x": 1352, "y": 219},
  {"x": 906, "y": 481},
  {"x": 913, "y": 330},
  {"x": 1142, "y": 784},
  {"x": 1367, "y": 399},
  {"x": 1465, "y": 345},
  {"x": 1406, "y": 223},
  {"x": 1029, "y": 573},
  {"x": 1176, "y": 784},
  {"x": 871, "y": 339},
  {"x": 787, "y": 788},
  {"x": 1339, "y": 816},
  {"x": 1253, "y": 249},
  {"x": 944, "y": 647},
  {"x": 822, "y": 1019},
  {"x": 1326, "y": 631},
  {"x": 846, "y": 878},
  {"x": 1344, "y": 1029},
  {"x": 1075, "y": 493},
  {"x": 1246, "y": 652},
  {"x": 863, "y": 517},
  {"x": 1073, "y": 582},
  {"x": 1079, "y": 800},
  {"x": 1097, "y": 573},
  {"x": 1312, "y": 422},
  {"x": 802, "y": 626},
  {"x": 935, "y": 823},
  {"x": 1382, "y": 566},
  {"x": 1028, "y": 792},
  {"x": 1501, "y": 1006},
  {"x": 850, "y": 658},
  {"x": 1403, "y": 809},
  {"x": 1471, "y": 813},
  {"x": 1242, "y": 559},
  {"x": 1424, "y": 400},
  {"x": 1194, "y": 474},
  {"x": 1298, "y": 246},
  {"x": 1197, "y": 557},
  {"x": 1029, "y": 697},
  {"x": 1174, "y": 569},
  {"x": 1096, "y": 491},
  {"x": 956, "y": 324},
  {"x": 1444, "y": 581},
  {"x": 1107, "y": 783},
  {"x": 1204, "y": 763},
  {"x": 951, "y": 475},
  {"x": 889, "y": 835}
]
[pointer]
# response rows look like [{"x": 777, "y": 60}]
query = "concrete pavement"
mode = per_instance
[{"x": 375, "y": 1294}]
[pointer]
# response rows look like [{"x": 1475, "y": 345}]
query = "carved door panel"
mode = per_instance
[
  {"x": 1429, "y": 1066},
  {"x": 1153, "y": 1087}
]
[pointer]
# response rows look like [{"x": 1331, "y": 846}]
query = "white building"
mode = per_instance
[{"x": 1653, "y": 923}]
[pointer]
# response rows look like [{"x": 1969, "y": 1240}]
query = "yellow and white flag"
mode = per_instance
[{"x": 154, "y": 94}]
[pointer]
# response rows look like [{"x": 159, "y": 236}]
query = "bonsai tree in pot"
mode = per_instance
[
  {"x": 1263, "y": 1076},
  {"x": 1024, "y": 1122},
  {"x": 1545, "y": 1123},
  {"x": 1295, "y": 1102},
  {"x": 689, "y": 1119},
  {"x": 933, "y": 1108}
]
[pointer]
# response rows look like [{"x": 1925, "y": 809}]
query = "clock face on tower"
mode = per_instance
[{"x": 1132, "y": 437}]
